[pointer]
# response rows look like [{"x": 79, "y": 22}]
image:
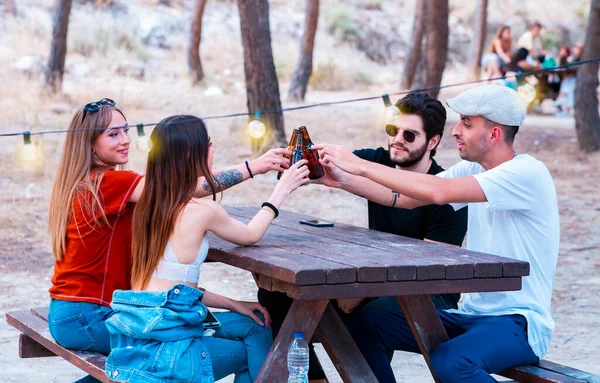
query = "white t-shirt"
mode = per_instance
[{"x": 519, "y": 221}]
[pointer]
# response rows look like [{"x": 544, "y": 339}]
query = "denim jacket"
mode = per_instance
[{"x": 157, "y": 337}]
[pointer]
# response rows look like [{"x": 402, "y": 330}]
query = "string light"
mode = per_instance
[
  {"x": 30, "y": 151},
  {"x": 143, "y": 142},
  {"x": 256, "y": 128},
  {"x": 527, "y": 93},
  {"x": 391, "y": 111}
]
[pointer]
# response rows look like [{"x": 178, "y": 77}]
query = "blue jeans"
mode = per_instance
[
  {"x": 478, "y": 345},
  {"x": 80, "y": 325},
  {"x": 239, "y": 346}
]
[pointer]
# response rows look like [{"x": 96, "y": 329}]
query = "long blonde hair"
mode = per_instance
[
  {"x": 78, "y": 176},
  {"x": 179, "y": 156},
  {"x": 498, "y": 36}
]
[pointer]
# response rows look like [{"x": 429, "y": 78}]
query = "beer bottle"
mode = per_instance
[
  {"x": 315, "y": 168},
  {"x": 290, "y": 147},
  {"x": 298, "y": 153}
]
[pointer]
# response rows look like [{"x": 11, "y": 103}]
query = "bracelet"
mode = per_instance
[
  {"x": 249, "y": 171},
  {"x": 270, "y": 206}
]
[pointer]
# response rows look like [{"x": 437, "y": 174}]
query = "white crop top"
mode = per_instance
[{"x": 170, "y": 269}]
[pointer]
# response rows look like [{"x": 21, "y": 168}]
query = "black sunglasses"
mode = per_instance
[
  {"x": 392, "y": 130},
  {"x": 95, "y": 106}
]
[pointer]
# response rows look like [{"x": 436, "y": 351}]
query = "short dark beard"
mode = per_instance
[{"x": 413, "y": 156}]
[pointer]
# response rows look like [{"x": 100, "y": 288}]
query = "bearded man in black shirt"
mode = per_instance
[{"x": 413, "y": 137}]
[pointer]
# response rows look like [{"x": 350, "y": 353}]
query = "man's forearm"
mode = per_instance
[{"x": 377, "y": 193}]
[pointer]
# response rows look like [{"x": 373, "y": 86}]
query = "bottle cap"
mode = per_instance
[{"x": 298, "y": 335}]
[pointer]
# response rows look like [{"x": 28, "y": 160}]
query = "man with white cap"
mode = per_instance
[{"x": 513, "y": 212}]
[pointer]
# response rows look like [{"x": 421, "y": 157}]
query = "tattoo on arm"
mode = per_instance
[
  {"x": 395, "y": 196},
  {"x": 225, "y": 179}
]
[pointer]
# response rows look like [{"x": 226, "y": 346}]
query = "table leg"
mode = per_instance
[
  {"x": 425, "y": 323},
  {"x": 302, "y": 316},
  {"x": 342, "y": 350}
]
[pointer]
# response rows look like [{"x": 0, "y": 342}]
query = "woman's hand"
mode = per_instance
[
  {"x": 271, "y": 160},
  {"x": 294, "y": 177},
  {"x": 248, "y": 309}
]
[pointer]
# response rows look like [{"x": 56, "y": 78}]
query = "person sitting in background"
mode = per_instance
[
  {"x": 498, "y": 53},
  {"x": 531, "y": 41},
  {"x": 565, "y": 102}
]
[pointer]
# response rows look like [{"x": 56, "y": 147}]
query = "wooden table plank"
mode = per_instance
[
  {"x": 337, "y": 251},
  {"x": 265, "y": 261},
  {"x": 301, "y": 247},
  {"x": 361, "y": 244},
  {"x": 37, "y": 329},
  {"x": 442, "y": 286},
  {"x": 456, "y": 265}
]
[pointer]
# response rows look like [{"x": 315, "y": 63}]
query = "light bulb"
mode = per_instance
[
  {"x": 29, "y": 153},
  {"x": 527, "y": 93},
  {"x": 256, "y": 129},
  {"x": 144, "y": 144},
  {"x": 391, "y": 111}
]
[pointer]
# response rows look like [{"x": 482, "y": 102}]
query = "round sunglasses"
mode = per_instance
[
  {"x": 408, "y": 135},
  {"x": 95, "y": 106}
]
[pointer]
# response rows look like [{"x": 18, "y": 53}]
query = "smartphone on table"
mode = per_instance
[{"x": 316, "y": 223}]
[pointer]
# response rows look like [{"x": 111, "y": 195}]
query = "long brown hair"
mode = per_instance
[
  {"x": 179, "y": 156},
  {"x": 78, "y": 177},
  {"x": 498, "y": 36}
]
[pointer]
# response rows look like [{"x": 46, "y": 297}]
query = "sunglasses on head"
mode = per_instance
[
  {"x": 95, "y": 106},
  {"x": 392, "y": 131}
]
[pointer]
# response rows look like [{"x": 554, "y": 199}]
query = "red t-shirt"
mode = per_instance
[{"x": 97, "y": 260}]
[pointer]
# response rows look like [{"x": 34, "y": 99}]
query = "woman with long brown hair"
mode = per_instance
[
  {"x": 90, "y": 221},
  {"x": 152, "y": 324},
  {"x": 499, "y": 52}
]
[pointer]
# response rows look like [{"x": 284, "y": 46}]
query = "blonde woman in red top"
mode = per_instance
[{"x": 90, "y": 222}]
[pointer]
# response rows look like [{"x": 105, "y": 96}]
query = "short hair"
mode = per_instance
[
  {"x": 431, "y": 111},
  {"x": 509, "y": 131},
  {"x": 536, "y": 24}
]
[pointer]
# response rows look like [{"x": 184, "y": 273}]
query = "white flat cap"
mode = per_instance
[{"x": 497, "y": 103}]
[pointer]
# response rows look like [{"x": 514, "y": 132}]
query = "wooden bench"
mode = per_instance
[{"x": 36, "y": 342}]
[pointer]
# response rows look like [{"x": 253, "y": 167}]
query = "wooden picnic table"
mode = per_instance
[{"x": 316, "y": 264}]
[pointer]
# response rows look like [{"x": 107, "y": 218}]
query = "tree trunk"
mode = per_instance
[
  {"x": 476, "y": 46},
  {"x": 416, "y": 39},
  {"x": 587, "y": 119},
  {"x": 262, "y": 89},
  {"x": 58, "y": 47},
  {"x": 304, "y": 68},
  {"x": 437, "y": 43},
  {"x": 194, "y": 62}
]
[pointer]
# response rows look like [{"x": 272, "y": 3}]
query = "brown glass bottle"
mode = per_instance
[
  {"x": 290, "y": 147},
  {"x": 315, "y": 168},
  {"x": 298, "y": 152}
]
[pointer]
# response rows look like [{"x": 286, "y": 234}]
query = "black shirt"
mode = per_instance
[
  {"x": 520, "y": 55},
  {"x": 438, "y": 223}
]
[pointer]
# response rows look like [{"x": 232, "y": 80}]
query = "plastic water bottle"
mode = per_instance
[{"x": 298, "y": 359}]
